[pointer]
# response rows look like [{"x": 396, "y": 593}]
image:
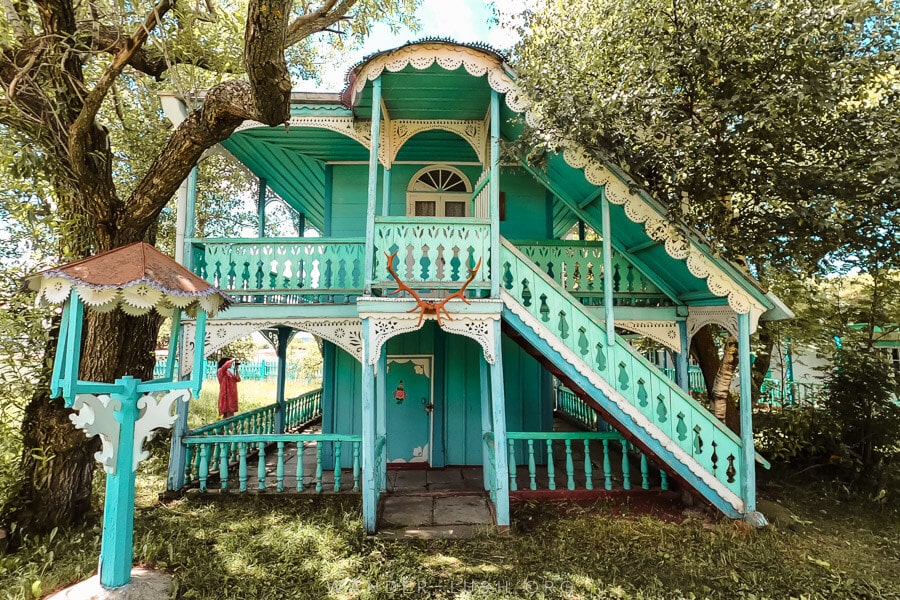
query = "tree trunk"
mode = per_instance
[
  {"x": 724, "y": 407},
  {"x": 705, "y": 351}
]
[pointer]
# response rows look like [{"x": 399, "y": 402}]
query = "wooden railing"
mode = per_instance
[
  {"x": 432, "y": 253},
  {"x": 776, "y": 393},
  {"x": 258, "y": 422},
  {"x": 675, "y": 413},
  {"x": 284, "y": 271},
  {"x": 577, "y": 266},
  {"x": 577, "y": 409},
  {"x": 577, "y": 453},
  {"x": 212, "y": 454}
]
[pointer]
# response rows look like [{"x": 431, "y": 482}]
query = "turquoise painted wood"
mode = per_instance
[
  {"x": 116, "y": 545},
  {"x": 251, "y": 451},
  {"x": 577, "y": 266},
  {"x": 299, "y": 269},
  {"x": 573, "y": 465},
  {"x": 299, "y": 411},
  {"x": 409, "y": 409},
  {"x": 372, "y": 190},
  {"x": 436, "y": 251},
  {"x": 577, "y": 409},
  {"x": 675, "y": 413},
  {"x": 498, "y": 412}
]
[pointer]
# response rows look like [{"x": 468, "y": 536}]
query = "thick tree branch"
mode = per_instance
[
  {"x": 264, "y": 43},
  {"x": 12, "y": 17},
  {"x": 109, "y": 39},
  {"x": 94, "y": 100},
  {"x": 324, "y": 17}
]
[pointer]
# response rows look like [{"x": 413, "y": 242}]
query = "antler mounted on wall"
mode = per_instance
[{"x": 429, "y": 307}]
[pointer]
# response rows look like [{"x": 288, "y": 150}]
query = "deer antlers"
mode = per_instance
[{"x": 432, "y": 307}]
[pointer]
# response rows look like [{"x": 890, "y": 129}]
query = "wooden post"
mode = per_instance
[
  {"x": 369, "y": 480},
  {"x": 373, "y": 187},
  {"x": 485, "y": 418},
  {"x": 261, "y": 206},
  {"x": 284, "y": 339},
  {"x": 498, "y": 405},
  {"x": 386, "y": 192},
  {"x": 748, "y": 452},
  {"x": 682, "y": 377},
  {"x": 116, "y": 545},
  {"x": 327, "y": 201},
  {"x": 381, "y": 413},
  {"x": 607, "y": 272},
  {"x": 177, "y": 451},
  {"x": 495, "y": 199}
]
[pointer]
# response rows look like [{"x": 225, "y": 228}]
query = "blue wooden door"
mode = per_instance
[{"x": 409, "y": 409}]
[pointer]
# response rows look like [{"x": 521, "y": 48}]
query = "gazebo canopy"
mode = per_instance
[{"x": 137, "y": 278}]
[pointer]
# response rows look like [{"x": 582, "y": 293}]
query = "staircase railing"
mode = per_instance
[
  {"x": 571, "y": 455},
  {"x": 644, "y": 394}
]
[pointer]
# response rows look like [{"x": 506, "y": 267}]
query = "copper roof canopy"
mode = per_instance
[{"x": 136, "y": 277}]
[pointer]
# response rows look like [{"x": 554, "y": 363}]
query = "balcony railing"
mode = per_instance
[
  {"x": 432, "y": 253},
  {"x": 284, "y": 271}
]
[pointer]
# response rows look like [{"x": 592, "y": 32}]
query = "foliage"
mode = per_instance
[
  {"x": 798, "y": 436},
  {"x": 262, "y": 546},
  {"x": 771, "y": 127}
]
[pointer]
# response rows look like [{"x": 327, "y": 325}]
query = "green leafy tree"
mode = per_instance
[
  {"x": 78, "y": 85},
  {"x": 771, "y": 128}
]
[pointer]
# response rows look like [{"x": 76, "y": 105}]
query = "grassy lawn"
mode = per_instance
[{"x": 271, "y": 547}]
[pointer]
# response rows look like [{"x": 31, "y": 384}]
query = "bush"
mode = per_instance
[{"x": 798, "y": 436}]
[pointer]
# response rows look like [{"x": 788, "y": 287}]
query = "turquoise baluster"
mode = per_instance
[
  {"x": 570, "y": 465},
  {"x": 532, "y": 468},
  {"x": 261, "y": 466},
  {"x": 588, "y": 469},
  {"x": 337, "y": 466},
  {"x": 204, "y": 466},
  {"x": 512, "y": 464},
  {"x": 188, "y": 463},
  {"x": 279, "y": 468},
  {"x": 242, "y": 466},
  {"x": 551, "y": 469},
  {"x": 299, "y": 473},
  {"x": 318, "y": 466},
  {"x": 356, "y": 466},
  {"x": 663, "y": 480},
  {"x": 645, "y": 472},
  {"x": 223, "y": 467},
  {"x": 626, "y": 467},
  {"x": 607, "y": 466},
  {"x": 214, "y": 457}
]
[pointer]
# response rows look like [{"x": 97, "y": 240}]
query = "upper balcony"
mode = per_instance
[{"x": 433, "y": 255}]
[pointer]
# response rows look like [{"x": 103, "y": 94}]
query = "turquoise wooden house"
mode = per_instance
[{"x": 402, "y": 175}]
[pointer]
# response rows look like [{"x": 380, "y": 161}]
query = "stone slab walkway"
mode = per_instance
[{"x": 426, "y": 516}]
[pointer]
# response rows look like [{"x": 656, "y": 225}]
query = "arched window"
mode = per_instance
[{"x": 438, "y": 191}]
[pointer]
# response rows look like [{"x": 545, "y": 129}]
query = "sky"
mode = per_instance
[{"x": 460, "y": 20}]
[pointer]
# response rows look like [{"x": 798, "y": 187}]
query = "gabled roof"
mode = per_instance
[{"x": 440, "y": 82}]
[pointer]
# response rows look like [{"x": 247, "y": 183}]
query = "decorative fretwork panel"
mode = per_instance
[
  {"x": 251, "y": 270},
  {"x": 432, "y": 253},
  {"x": 578, "y": 267}
]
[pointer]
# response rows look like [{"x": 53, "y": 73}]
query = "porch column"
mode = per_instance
[
  {"x": 381, "y": 414},
  {"x": 386, "y": 192},
  {"x": 116, "y": 543},
  {"x": 788, "y": 372},
  {"x": 748, "y": 453},
  {"x": 261, "y": 206},
  {"x": 485, "y": 420},
  {"x": 682, "y": 377},
  {"x": 498, "y": 405},
  {"x": 284, "y": 339},
  {"x": 185, "y": 231},
  {"x": 607, "y": 272},
  {"x": 177, "y": 450},
  {"x": 369, "y": 478},
  {"x": 328, "y": 195},
  {"x": 495, "y": 194},
  {"x": 373, "y": 186}
]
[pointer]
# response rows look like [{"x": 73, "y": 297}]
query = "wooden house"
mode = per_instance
[{"x": 402, "y": 175}]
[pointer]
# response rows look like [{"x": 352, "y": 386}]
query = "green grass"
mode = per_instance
[{"x": 270, "y": 547}]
